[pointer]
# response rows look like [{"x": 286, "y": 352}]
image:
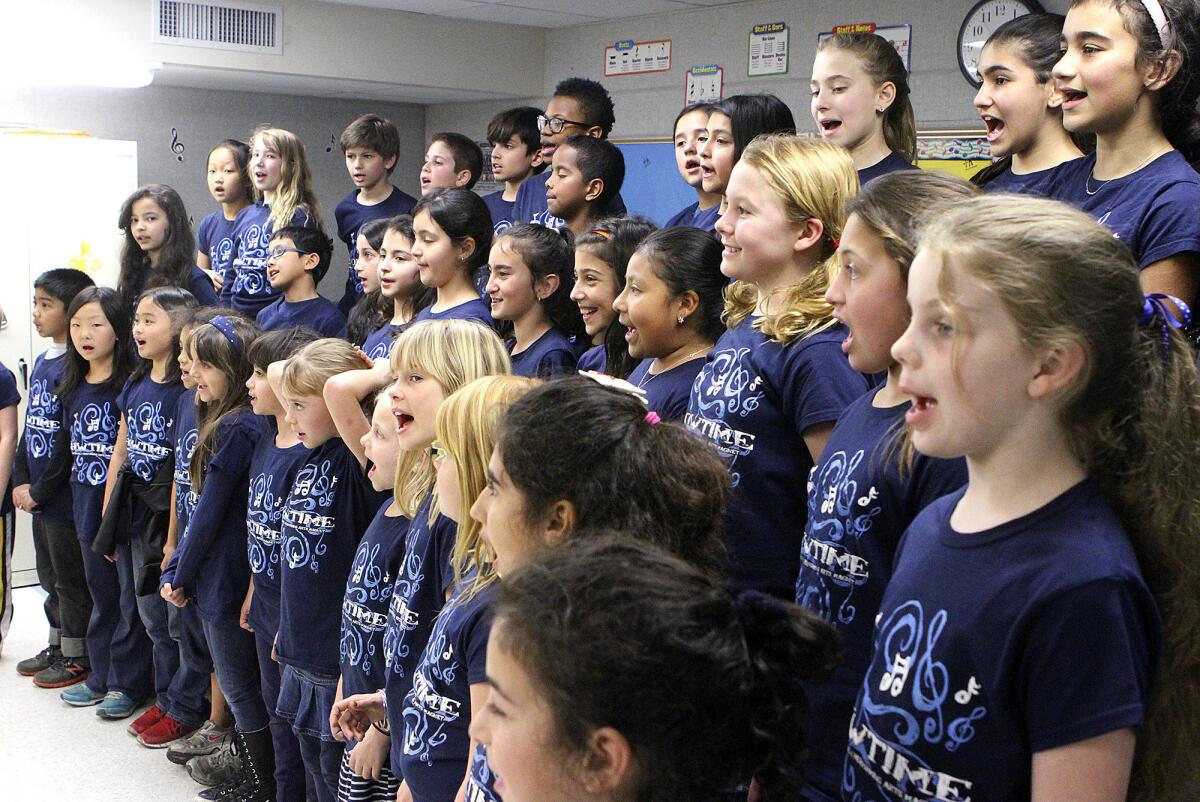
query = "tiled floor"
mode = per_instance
[{"x": 51, "y": 751}]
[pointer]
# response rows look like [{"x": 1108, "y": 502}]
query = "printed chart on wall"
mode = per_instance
[
  {"x": 768, "y": 49},
  {"x": 899, "y": 35},
  {"x": 628, "y": 57},
  {"x": 704, "y": 84},
  {"x": 960, "y": 153}
]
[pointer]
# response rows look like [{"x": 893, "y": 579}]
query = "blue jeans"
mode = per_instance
[
  {"x": 116, "y": 640},
  {"x": 236, "y": 663},
  {"x": 306, "y": 699},
  {"x": 289, "y": 768}
]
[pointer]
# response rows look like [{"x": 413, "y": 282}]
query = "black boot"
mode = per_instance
[{"x": 258, "y": 756}]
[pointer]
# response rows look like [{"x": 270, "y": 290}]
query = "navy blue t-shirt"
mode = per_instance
[
  {"x": 437, "y": 711},
  {"x": 991, "y": 646},
  {"x": 214, "y": 238},
  {"x": 328, "y": 509},
  {"x": 753, "y": 400},
  {"x": 858, "y": 509},
  {"x": 548, "y": 355},
  {"x": 424, "y": 576},
  {"x": 888, "y": 164},
  {"x": 1152, "y": 211},
  {"x": 474, "y": 309},
  {"x": 593, "y": 359},
  {"x": 379, "y": 344},
  {"x": 9, "y": 397},
  {"x": 1035, "y": 183},
  {"x": 350, "y": 216},
  {"x": 530, "y": 205},
  {"x": 481, "y": 783},
  {"x": 318, "y": 314},
  {"x": 668, "y": 393},
  {"x": 149, "y": 409},
  {"x": 211, "y": 562},
  {"x": 43, "y": 422},
  {"x": 246, "y": 288},
  {"x": 502, "y": 211},
  {"x": 694, "y": 216},
  {"x": 94, "y": 418},
  {"x": 365, "y": 605},
  {"x": 185, "y": 445},
  {"x": 272, "y": 473}
]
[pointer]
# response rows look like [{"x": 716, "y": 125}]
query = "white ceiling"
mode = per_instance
[{"x": 539, "y": 13}]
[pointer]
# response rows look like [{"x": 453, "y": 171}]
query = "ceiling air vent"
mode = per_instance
[{"x": 244, "y": 27}]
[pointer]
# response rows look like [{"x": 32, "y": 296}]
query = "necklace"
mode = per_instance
[
  {"x": 649, "y": 377},
  {"x": 1087, "y": 182}
]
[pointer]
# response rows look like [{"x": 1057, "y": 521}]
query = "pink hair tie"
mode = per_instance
[{"x": 652, "y": 418}]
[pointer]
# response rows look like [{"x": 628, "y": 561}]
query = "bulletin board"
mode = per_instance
[
  {"x": 960, "y": 153},
  {"x": 653, "y": 187}
]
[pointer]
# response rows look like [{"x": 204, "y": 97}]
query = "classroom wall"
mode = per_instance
[
  {"x": 646, "y": 104},
  {"x": 204, "y": 117}
]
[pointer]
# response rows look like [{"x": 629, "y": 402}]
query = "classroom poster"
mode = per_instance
[
  {"x": 704, "y": 84},
  {"x": 899, "y": 35},
  {"x": 768, "y": 49},
  {"x": 960, "y": 153},
  {"x": 628, "y": 57}
]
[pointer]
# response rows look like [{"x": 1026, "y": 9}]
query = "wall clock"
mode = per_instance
[{"x": 981, "y": 21}]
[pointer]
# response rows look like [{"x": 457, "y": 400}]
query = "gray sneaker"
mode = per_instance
[
  {"x": 220, "y": 767},
  {"x": 204, "y": 741}
]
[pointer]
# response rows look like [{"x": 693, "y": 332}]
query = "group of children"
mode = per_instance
[{"x": 393, "y": 548}]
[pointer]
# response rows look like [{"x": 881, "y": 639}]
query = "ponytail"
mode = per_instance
[
  {"x": 574, "y": 439},
  {"x": 881, "y": 61},
  {"x": 728, "y": 672}
]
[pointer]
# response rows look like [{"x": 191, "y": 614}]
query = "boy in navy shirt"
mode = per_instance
[
  {"x": 585, "y": 177},
  {"x": 371, "y": 145},
  {"x": 516, "y": 155},
  {"x": 297, "y": 260},
  {"x": 453, "y": 160},
  {"x": 579, "y": 106},
  {"x": 40, "y": 472}
]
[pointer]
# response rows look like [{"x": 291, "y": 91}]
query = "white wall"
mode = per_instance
[
  {"x": 647, "y": 104},
  {"x": 203, "y": 118}
]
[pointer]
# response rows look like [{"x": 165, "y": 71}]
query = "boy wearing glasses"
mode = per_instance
[
  {"x": 579, "y": 106},
  {"x": 297, "y": 260}
]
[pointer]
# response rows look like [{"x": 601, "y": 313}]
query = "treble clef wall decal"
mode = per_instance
[{"x": 176, "y": 146}]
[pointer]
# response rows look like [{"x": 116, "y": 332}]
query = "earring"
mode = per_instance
[
  {"x": 879, "y": 111},
  {"x": 679, "y": 320}
]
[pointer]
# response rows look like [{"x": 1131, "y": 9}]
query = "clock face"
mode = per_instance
[{"x": 980, "y": 23}]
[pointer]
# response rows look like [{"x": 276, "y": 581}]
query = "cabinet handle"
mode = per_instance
[{"x": 23, "y": 369}]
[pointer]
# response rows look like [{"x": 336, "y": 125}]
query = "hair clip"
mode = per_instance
[
  {"x": 222, "y": 324},
  {"x": 652, "y": 418},
  {"x": 1154, "y": 308},
  {"x": 600, "y": 232},
  {"x": 614, "y": 383}
]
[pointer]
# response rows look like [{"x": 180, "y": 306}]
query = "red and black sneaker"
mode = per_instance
[
  {"x": 164, "y": 733},
  {"x": 65, "y": 672},
  {"x": 146, "y": 720}
]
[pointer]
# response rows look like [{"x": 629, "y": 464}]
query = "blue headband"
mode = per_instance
[
  {"x": 222, "y": 324},
  {"x": 1154, "y": 308}
]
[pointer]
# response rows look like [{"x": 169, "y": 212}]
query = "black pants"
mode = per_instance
[{"x": 60, "y": 572}]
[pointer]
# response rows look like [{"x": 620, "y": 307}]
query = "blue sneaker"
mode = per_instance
[
  {"x": 116, "y": 705},
  {"x": 81, "y": 696}
]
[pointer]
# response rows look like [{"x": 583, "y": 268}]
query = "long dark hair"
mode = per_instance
[
  {"x": 115, "y": 309},
  {"x": 1035, "y": 39},
  {"x": 687, "y": 258},
  {"x": 372, "y": 310},
  {"x": 177, "y": 256},
  {"x": 575, "y": 439},
  {"x": 549, "y": 252},
  {"x": 210, "y": 345},
  {"x": 176, "y": 303},
  {"x": 751, "y": 115},
  {"x": 727, "y": 670},
  {"x": 613, "y": 241},
  {"x": 461, "y": 214}
]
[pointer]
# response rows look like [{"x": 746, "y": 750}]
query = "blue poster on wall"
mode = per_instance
[{"x": 653, "y": 187}]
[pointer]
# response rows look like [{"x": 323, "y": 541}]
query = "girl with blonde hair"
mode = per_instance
[
  {"x": 1033, "y": 353},
  {"x": 777, "y": 379},
  {"x": 284, "y": 197}
]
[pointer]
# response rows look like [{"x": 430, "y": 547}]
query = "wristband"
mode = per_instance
[{"x": 383, "y": 726}]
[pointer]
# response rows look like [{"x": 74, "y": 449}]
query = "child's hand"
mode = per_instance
[
  {"x": 366, "y": 360},
  {"x": 173, "y": 595},
  {"x": 217, "y": 279},
  {"x": 368, "y": 758},
  {"x": 244, "y": 616},
  {"x": 168, "y": 550},
  {"x": 351, "y": 718},
  {"x": 22, "y": 500},
  {"x": 403, "y": 794},
  {"x": 112, "y": 558}
]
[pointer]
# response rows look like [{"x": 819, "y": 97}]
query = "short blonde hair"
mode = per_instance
[
  {"x": 453, "y": 353},
  {"x": 813, "y": 179},
  {"x": 306, "y": 372},
  {"x": 468, "y": 424}
]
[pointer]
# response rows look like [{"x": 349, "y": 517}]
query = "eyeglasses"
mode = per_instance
[
  {"x": 438, "y": 451},
  {"x": 555, "y": 125},
  {"x": 280, "y": 250}
]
